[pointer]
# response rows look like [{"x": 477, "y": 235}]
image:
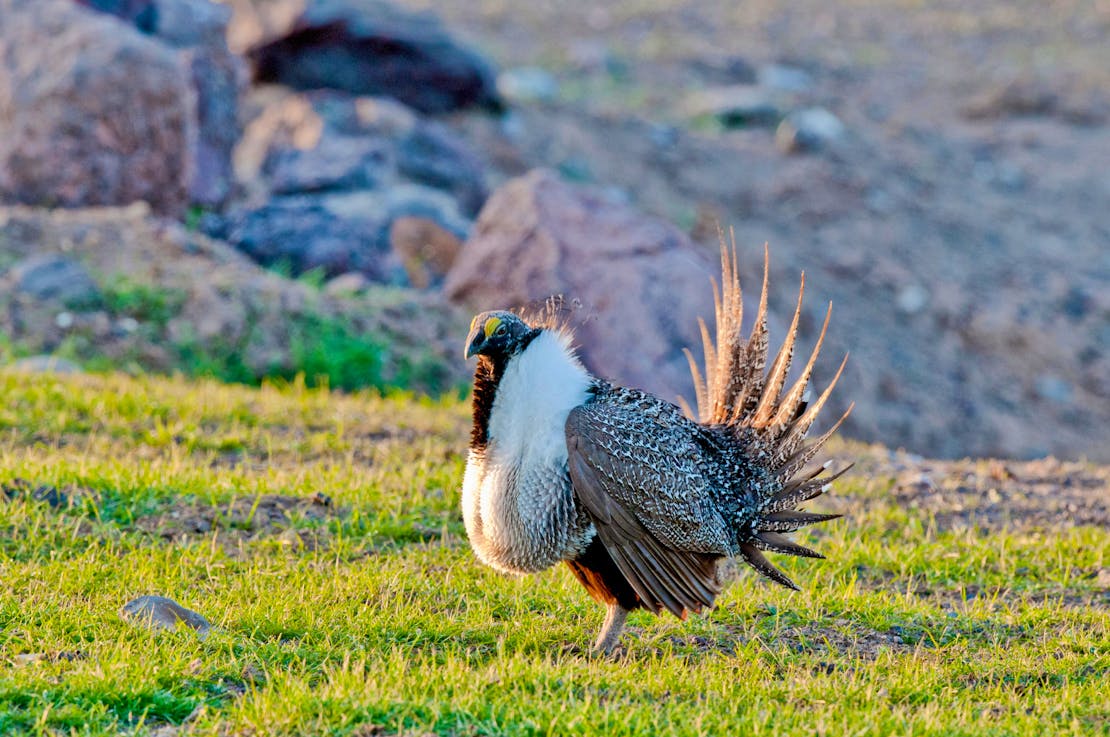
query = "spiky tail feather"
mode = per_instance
[{"x": 739, "y": 392}]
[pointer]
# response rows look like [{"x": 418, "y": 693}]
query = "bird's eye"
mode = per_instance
[{"x": 502, "y": 330}]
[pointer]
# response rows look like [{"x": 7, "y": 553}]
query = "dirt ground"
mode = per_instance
[{"x": 960, "y": 225}]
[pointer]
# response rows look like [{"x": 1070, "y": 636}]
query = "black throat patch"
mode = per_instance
[{"x": 486, "y": 379}]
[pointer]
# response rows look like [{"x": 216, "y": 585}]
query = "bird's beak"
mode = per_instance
[{"x": 475, "y": 340}]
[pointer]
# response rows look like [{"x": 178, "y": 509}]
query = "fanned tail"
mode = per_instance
[{"x": 739, "y": 391}]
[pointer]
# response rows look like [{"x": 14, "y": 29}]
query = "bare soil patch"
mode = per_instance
[
  {"x": 247, "y": 518},
  {"x": 991, "y": 495}
]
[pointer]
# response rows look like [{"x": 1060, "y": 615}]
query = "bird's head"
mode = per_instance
[{"x": 498, "y": 334}]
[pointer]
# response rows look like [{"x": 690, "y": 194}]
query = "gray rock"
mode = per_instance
[
  {"x": 339, "y": 231},
  {"x": 527, "y": 84},
  {"x": 184, "y": 23},
  {"x": 45, "y": 365},
  {"x": 727, "y": 70},
  {"x": 199, "y": 29},
  {"x": 162, "y": 613},
  {"x": 1054, "y": 389},
  {"x": 337, "y": 162},
  {"x": 784, "y": 78},
  {"x": 55, "y": 278},
  {"x": 810, "y": 129},
  {"x": 300, "y": 232},
  {"x": 91, "y": 111},
  {"x": 432, "y": 154},
  {"x": 369, "y": 47},
  {"x": 143, "y": 14},
  {"x": 912, "y": 299}
]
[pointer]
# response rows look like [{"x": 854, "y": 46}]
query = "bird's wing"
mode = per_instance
[{"x": 637, "y": 474}]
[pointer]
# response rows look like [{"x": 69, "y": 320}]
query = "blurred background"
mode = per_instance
[{"x": 267, "y": 188}]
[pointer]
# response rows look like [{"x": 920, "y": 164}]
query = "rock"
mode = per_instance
[
  {"x": 912, "y": 299},
  {"x": 339, "y": 231},
  {"x": 810, "y": 129},
  {"x": 735, "y": 106},
  {"x": 198, "y": 29},
  {"x": 301, "y": 233},
  {"x": 160, "y": 612},
  {"x": 45, "y": 365},
  {"x": 431, "y": 154},
  {"x": 143, "y": 14},
  {"x": 784, "y": 78},
  {"x": 527, "y": 84},
  {"x": 337, "y": 162},
  {"x": 370, "y": 47},
  {"x": 1054, "y": 389},
  {"x": 425, "y": 249},
  {"x": 727, "y": 70},
  {"x": 350, "y": 283},
  {"x": 54, "y": 278},
  {"x": 91, "y": 111},
  {"x": 641, "y": 283}
]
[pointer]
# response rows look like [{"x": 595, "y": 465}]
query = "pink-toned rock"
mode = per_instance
[
  {"x": 91, "y": 110},
  {"x": 641, "y": 283}
]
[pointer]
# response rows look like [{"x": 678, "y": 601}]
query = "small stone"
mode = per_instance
[
  {"x": 349, "y": 283},
  {"x": 784, "y": 78},
  {"x": 160, "y": 612},
  {"x": 1054, "y": 389},
  {"x": 55, "y": 278},
  {"x": 912, "y": 299},
  {"x": 810, "y": 129},
  {"x": 726, "y": 70},
  {"x": 64, "y": 320},
  {"x": 527, "y": 84},
  {"x": 46, "y": 365}
]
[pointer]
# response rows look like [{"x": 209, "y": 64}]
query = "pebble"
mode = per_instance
[
  {"x": 160, "y": 612},
  {"x": 809, "y": 129},
  {"x": 1054, "y": 389},
  {"x": 44, "y": 364},
  {"x": 912, "y": 299},
  {"x": 784, "y": 78},
  {"x": 527, "y": 84}
]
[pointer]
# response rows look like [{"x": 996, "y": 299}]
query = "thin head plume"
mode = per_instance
[{"x": 556, "y": 313}]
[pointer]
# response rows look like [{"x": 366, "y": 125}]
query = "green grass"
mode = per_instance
[
  {"x": 326, "y": 349},
  {"x": 372, "y": 617}
]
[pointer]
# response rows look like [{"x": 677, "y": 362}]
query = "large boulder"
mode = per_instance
[
  {"x": 198, "y": 29},
  {"x": 91, "y": 110},
  {"x": 641, "y": 283},
  {"x": 331, "y": 174},
  {"x": 369, "y": 47},
  {"x": 337, "y": 232}
]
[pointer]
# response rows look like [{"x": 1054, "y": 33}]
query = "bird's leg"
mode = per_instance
[{"x": 611, "y": 630}]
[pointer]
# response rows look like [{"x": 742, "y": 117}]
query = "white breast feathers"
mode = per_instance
[{"x": 517, "y": 501}]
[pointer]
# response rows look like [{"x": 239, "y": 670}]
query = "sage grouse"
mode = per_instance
[{"x": 639, "y": 500}]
